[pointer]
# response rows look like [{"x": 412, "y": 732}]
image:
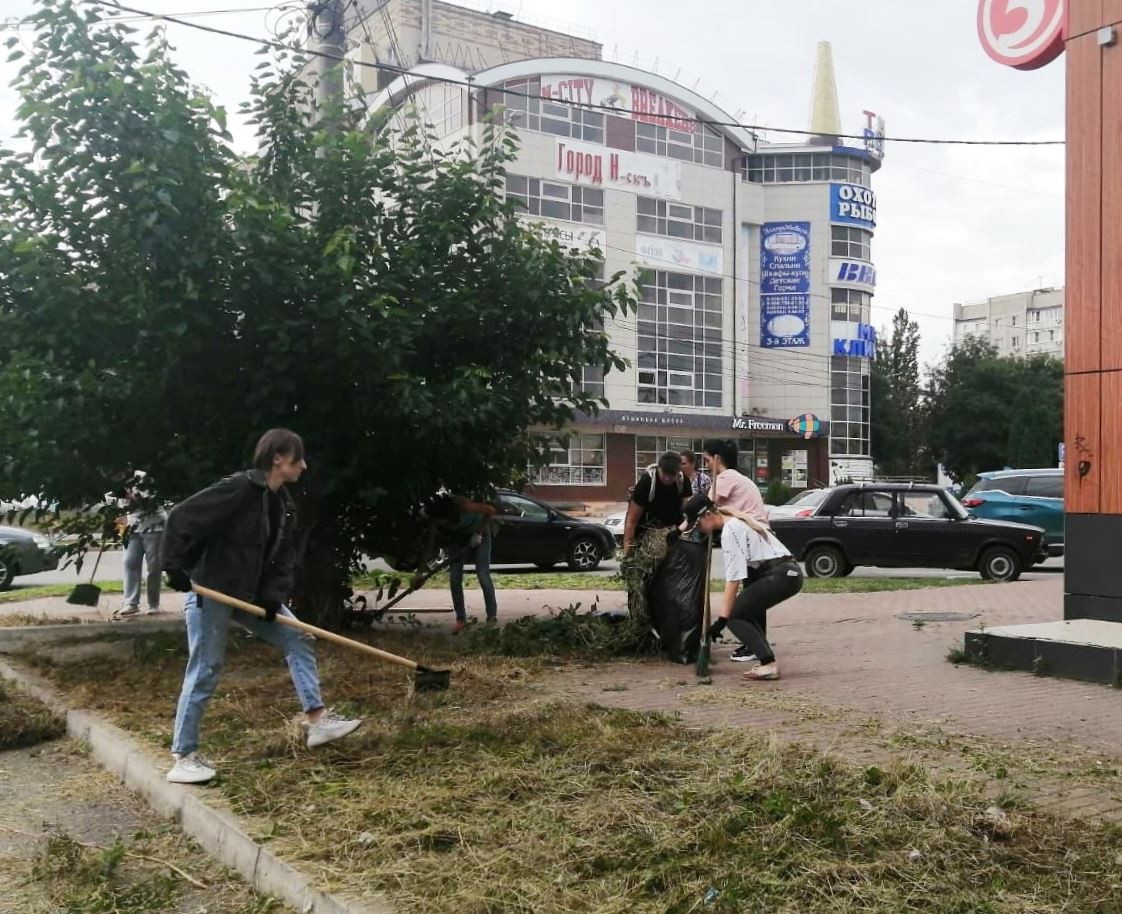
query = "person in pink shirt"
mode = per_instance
[{"x": 731, "y": 488}]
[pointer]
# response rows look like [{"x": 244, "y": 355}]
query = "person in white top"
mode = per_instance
[
  {"x": 760, "y": 573},
  {"x": 731, "y": 488}
]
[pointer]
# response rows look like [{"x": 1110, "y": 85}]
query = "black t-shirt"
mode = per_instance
[{"x": 665, "y": 508}]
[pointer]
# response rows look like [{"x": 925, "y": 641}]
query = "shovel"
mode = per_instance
[
  {"x": 702, "y": 669},
  {"x": 88, "y": 594},
  {"x": 424, "y": 679}
]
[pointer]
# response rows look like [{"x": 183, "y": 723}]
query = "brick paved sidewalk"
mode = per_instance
[{"x": 860, "y": 680}]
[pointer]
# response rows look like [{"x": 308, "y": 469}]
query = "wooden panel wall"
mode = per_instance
[
  {"x": 1082, "y": 436},
  {"x": 1087, "y": 437},
  {"x": 1110, "y": 118},
  {"x": 1084, "y": 199}
]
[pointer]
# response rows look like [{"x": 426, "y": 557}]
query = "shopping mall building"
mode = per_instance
[{"x": 755, "y": 257}]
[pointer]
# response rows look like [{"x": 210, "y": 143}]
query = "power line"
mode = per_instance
[
  {"x": 752, "y": 128},
  {"x": 27, "y": 25}
]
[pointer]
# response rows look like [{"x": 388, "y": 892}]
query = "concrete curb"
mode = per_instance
[
  {"x": 16, "y": 638},
  {"x": 217, "y": 831}
]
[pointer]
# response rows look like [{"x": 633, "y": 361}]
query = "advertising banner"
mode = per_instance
[
  {"x": 671, "y": 253},
  {"x": 635, "y": 172},
  {"x": 852, "y": 204},
  {"x": 856, "y": 274},
  {"x": 785, "y": 285},
  {"x": 571, "y": 234},
  {"x": 637, "y": 103}
]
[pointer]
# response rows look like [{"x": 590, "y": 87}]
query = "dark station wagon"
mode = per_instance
[{"x": 906, "y": 526}]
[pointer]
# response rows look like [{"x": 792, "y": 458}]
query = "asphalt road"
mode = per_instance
[{"x": 111, "y": 562}]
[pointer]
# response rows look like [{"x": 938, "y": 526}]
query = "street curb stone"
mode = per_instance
[{"x": 218, "y": 832}]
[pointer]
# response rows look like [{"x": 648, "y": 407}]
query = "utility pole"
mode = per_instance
[
  {"x": 426, "y": 30},
  {"x": 327, "y": 36}
]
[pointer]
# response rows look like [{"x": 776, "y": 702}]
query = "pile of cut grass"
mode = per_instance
[
  {"x": 25, "y": 721},
  {"x": 495, "y": 797}
]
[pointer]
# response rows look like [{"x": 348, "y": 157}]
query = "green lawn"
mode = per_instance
[{"x": 552, "y": 581}]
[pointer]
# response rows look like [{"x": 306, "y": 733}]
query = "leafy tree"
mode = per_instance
[
  {"x": 897, "y": 423},
  {"x": 162, "y": 301},
  {"x": 987, "y": 412}
]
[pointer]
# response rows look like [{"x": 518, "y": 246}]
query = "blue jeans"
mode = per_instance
[
  {"x": 143, "y": 547},
  {"x": 482, "y": 564},
  {"x": 208, "y": 625}
]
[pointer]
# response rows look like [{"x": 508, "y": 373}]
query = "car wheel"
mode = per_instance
[
  {"x": 584, "y": 554},
  {"x": 545, "y": 566},
  {"x": 1000, "y": 564},
  {"x": 825, "y": 562},
  {"x": 7, "y": 573}
]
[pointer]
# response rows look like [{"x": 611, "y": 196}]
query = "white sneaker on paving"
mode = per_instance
[
  {"x": 742, "y": 654},
  {"x": 330, "y": 727},
  {"x": 154, "y": 611},
  {"x": 191, "y": 769},
  {"x": 128, "y": 611}
]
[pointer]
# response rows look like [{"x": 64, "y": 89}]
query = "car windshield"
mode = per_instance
[{"x": 955, "y": 507}]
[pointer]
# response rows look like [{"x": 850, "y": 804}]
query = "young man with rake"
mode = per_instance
[{"x": 237, "y": 537}]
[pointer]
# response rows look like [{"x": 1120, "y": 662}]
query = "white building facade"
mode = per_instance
[
  {"x": 1020, "y": 325},
  {"x": 755, "y": 259}
]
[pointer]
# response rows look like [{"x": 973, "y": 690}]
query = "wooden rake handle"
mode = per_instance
[{"x": 293, "y": 622}]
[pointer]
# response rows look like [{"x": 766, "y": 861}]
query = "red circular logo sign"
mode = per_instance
[{"x": 1025, "y": 34}]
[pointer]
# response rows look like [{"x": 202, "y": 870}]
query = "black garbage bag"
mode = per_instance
[{"x": 675, "y": 600}]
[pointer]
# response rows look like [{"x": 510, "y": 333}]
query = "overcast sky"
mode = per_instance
[{"x": 955, "y": 223}]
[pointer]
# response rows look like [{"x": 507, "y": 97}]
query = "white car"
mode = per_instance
[
  {"x": 802, "y": 505},
  {"x": 614, "y": 523}
]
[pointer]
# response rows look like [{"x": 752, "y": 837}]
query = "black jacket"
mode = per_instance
[{"x": 219, "y": 536}]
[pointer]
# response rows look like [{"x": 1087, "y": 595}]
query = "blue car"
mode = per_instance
[{"x": 1027, "y": 496}]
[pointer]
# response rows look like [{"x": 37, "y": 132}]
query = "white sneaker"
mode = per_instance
[
  {"x": 129, "y": 611},
  {"x": 154, "y": 612},
  {"x": 329, "y": 728},
  {"x": 191, "y": 769}
]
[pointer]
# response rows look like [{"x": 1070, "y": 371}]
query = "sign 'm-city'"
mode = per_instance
[{"x": 1024, "y": 34}]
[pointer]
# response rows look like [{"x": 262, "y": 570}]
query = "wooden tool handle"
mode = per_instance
[{"x": 293, "y": 622}]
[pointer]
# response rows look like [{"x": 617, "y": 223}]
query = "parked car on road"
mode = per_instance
[
  {"x": 23, "y": 552},
  {"x": 1026, "y": 496},
  {"x": 906, "y": 526},
  {"x": 802, "y": 505},
  {"x": 534, "y": 533},
  {"x": 614, "y": 523}
]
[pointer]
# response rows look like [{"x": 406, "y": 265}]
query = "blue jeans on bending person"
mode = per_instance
[
  {"x": 481, "y": 557},
  {"x": 208, "y": 628}
]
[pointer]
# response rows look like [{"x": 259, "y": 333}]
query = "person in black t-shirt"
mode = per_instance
[
  {"x": 656, "y": 503},
  {"x": 657, "y": 499}
]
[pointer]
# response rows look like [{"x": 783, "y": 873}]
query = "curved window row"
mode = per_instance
[{"x": 791, "y": 167}]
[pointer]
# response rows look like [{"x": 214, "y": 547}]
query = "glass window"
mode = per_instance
[
  {"x": 679, "y": 358},
  {"x": 527, "y": 111},
  {"x": 853, "y": 243},
  {"x": 517, "y": 506},
  {"x": 696, "y": 223},
  {"x": 703, "y": 146},
  {"x": 1010, "y": 485},
  {"x": 648, "y": 448},
  {"x": 867, "y": 503},
  {"x": 578, "y": 460},
  {"x": 851, "y": 305},
  {"x": 781, "y": 168},
  {"x": 557, "y": 200},
  {"x": 849, "y": 405},
  {"x": 1045, "y": 486}
]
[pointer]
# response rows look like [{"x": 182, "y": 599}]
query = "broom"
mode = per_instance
[
  {"x": 702, "y": 669},
  {"x": 88, "y": 594}
]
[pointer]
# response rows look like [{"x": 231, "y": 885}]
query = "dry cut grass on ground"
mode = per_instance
[
  {"x": 494, "y": 797},
  {"x": 24, "y": 721}
]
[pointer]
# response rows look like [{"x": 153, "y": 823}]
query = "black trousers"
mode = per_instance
[{"x": 762, "y": 591}]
